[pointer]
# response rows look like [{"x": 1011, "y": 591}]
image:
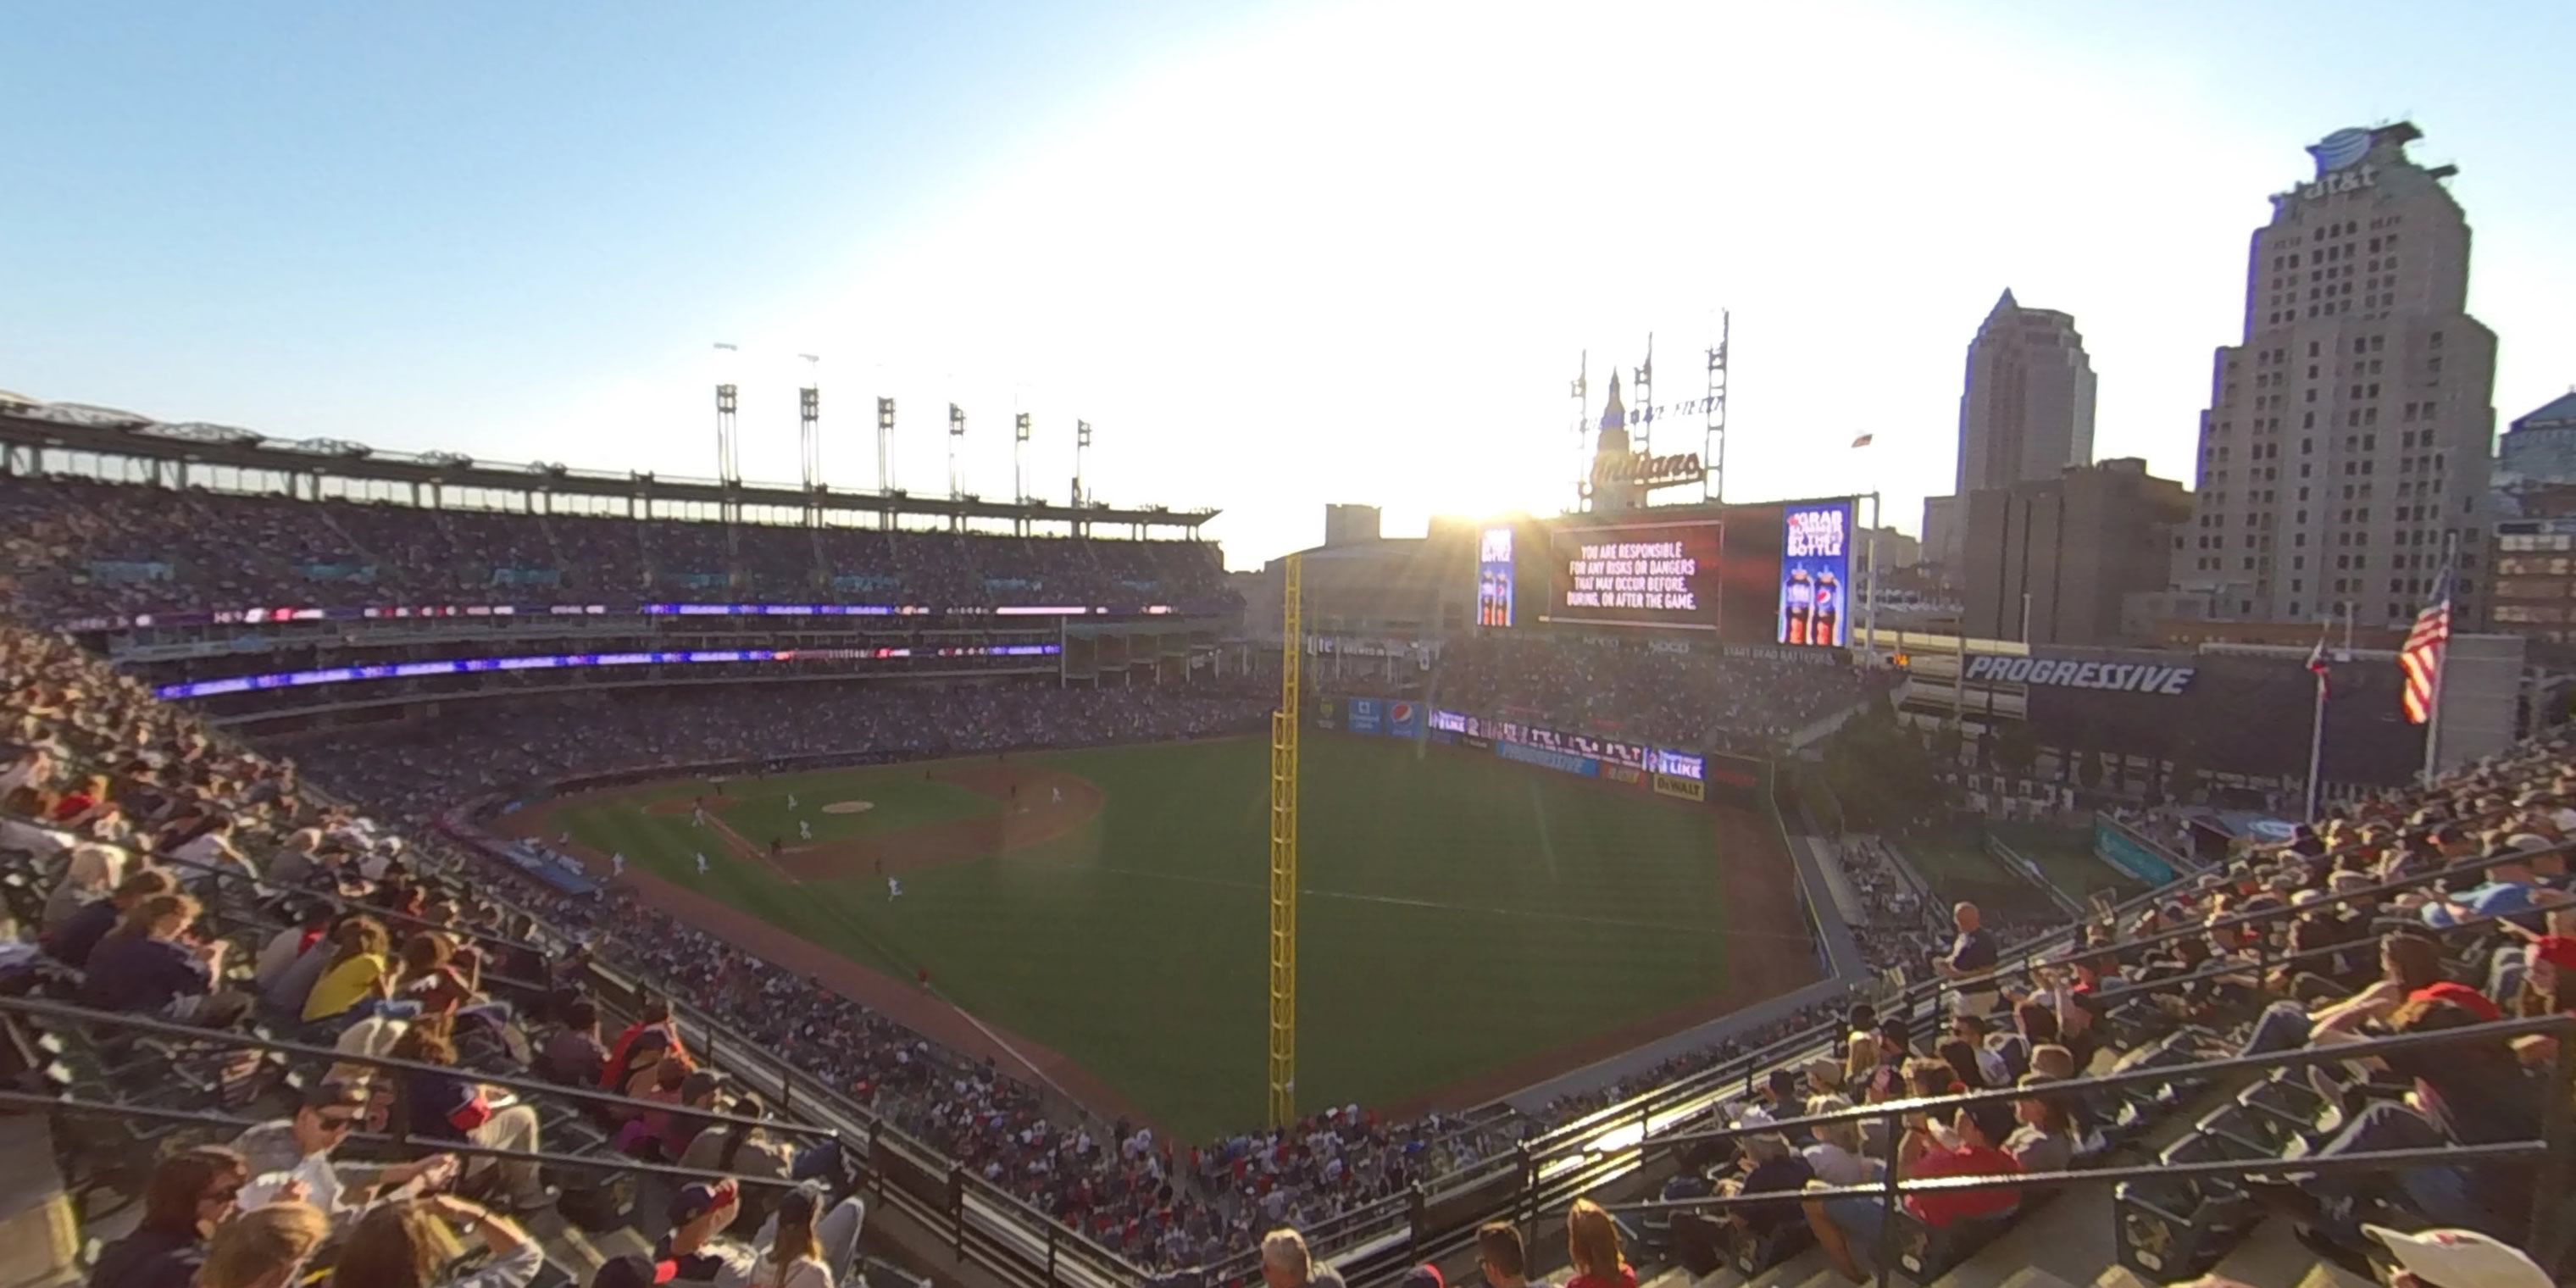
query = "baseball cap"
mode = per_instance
[
  {"x": 1422, "y": 1276},
  {"x": 633, "y": 1271},
  {"x": 2460, "y": 1259},
  {"x": 694, "y": 1201},
  {"x": 1993, "y": 1118}
]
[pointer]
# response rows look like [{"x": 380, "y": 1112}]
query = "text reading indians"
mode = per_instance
[{"x": 1633, "y": 574}]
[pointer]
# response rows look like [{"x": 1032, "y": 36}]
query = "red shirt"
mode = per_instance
[
  {"x": 1941, "y": 1207},
  {"x": 2460, "y": 995}
]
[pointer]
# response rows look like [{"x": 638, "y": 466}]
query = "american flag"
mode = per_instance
[{"x": 2421, "y": 659}]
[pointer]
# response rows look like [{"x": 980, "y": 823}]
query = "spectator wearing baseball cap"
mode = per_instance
[
  {"x": 634, "y": 1271},
  {"x": 700, "y": 1213}
]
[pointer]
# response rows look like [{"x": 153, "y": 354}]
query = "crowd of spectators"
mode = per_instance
[
  {"x": 74, "y": 547},
  {"x": 92, "y": 755},
  {"x": 1699, "y": 698},
  {"x": 419, "y": 771}
]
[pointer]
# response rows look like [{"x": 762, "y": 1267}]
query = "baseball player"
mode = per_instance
[
  {"x": 698, "y": 816},
  {"x": 804, "y": 830},
  {"x": 894, "y": 889},
  {"x": 791, "y": 802},
  {"x": 617, "y": 864},
  {"x": 702, "y": 863},
  {"x": 563, "y": 840}
]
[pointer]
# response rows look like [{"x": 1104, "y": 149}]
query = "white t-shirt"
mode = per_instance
[
  {"x": 1835, "y": 1165},
  {"x": 804, "y": 1272}
]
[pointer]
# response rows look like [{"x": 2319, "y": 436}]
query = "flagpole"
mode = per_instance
[
  {"x": 2433, "y": 703},
  {"x": 2317, "y": 747}
]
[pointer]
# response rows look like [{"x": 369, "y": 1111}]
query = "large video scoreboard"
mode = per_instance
[{"x": 1771, "y": 573}]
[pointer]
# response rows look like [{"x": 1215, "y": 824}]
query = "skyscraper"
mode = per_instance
[
  {"x": 2348, "y": 436},
  {"x": 2025, "y": 412}
]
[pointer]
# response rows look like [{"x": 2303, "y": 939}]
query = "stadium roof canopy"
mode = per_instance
[{"x": 75, "y": 427}]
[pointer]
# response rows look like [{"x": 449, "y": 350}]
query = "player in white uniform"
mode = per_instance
[
  {"x": 804, "y": 830},
  {"x": 702, "y": 863},
  {"x": 791, "y": 802},
  {"x": 894, "y": 889},
  {"x": 698, "y": 816},
  {"x": 617, "y": 864}
]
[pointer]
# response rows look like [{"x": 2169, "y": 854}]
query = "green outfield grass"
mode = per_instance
[{"x": 1459, "y": 912}]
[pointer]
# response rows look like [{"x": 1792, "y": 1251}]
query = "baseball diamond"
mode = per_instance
[{"x": 1047, "y": 894}]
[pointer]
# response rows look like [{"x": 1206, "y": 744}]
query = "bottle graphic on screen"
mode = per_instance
[
  {"x": 1829, "y": 609},
  {"x": 1800, "y": 601}
]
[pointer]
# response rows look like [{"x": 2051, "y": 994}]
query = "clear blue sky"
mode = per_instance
[{"x": 1281, "y": 254}]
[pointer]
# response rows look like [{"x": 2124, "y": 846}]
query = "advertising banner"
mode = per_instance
[
  {"x": 2116, "y": 848},
  {"x": 1689, "y": 789},
  {"x": 1815, "y": 569},
  {"x": 1365, "y": 714},
  {"x": 1494, "y": 578},
  {"x": 1556, "y": 760},
  {"x": 1328, "y": 713},
  {"x": 1623, "y": 774},
  {"x": 1404, "y": 719}
]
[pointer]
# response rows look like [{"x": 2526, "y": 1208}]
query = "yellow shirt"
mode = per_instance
[{"x": 344, "y": 986}]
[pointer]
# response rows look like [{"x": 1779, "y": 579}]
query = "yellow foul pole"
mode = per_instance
[{"x": 1283, "y": 863}]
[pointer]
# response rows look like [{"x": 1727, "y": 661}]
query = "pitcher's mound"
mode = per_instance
[{"x": 849, "y": 807}]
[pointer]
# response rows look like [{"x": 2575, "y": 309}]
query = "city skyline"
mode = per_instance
[{"x": 1146, "y": 216}]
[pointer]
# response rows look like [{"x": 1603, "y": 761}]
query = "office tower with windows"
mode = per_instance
[{"x": 2347, "y": 442}]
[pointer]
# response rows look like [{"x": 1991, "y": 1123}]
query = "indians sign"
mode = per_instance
[{"x": 1611, "y": 469}]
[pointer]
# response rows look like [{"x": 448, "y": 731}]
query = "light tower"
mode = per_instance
[
  {"x": 1020, "y": 459},
  {"x": 1712, "y": 450},
  {"x": 1081, "y": 449},
  {"x": 956, "y": 435},
  {"x": 1283, "y": 861},
  {"x": 728, "y": 461},
  {"x": 885, "y": 458},
  {"x": 809, "y": 434}
]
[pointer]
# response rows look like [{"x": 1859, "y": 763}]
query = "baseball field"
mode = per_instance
[{"x": 1098, "y": 918}]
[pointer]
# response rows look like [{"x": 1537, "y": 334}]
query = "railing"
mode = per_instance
[
  {"x": 999, "y": 1231},
  {"x": 2552, "y": 1146}
]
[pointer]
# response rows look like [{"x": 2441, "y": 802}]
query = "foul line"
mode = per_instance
[{"x": 1437, "y": 906}]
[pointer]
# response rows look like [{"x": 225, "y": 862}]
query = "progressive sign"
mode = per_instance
[{"x": 2114, "y": 677}]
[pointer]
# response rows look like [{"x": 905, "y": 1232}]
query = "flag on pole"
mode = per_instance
[
  {"x": 2421, "y": 658},
  {"x": 1864, "y": 440},
  {"x": 2318, "y": 666}
]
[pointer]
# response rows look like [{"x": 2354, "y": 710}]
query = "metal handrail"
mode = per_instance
[
  {"x": 35, "y": 1102},
  {"x": 81, "y": 1015}
]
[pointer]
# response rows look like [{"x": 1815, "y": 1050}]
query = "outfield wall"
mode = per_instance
[{"x": 1685, "y": 774}]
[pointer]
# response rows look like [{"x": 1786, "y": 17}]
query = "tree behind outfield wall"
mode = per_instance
[
  {"x": 1879, "y": 774},
  {"x": 2016, "y": 748}
]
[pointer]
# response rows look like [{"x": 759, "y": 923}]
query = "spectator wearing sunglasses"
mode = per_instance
[
  {"x": 190, "y": 1194},
  {"x": 299, "y": 1149}
]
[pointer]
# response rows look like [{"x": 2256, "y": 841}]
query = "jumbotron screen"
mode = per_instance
[
  {"x": 1754, "y": 574},
  {"x": 1638, "y": 574}
]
